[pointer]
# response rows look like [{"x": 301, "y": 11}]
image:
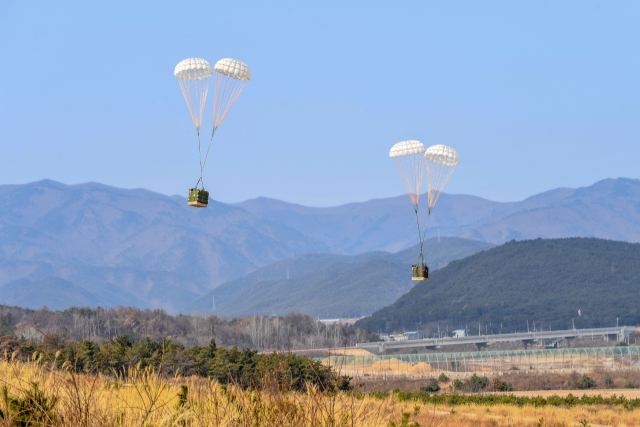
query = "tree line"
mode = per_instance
[
  {"x": 291, "y": 332},
  {"x": 116, "y": 357}
]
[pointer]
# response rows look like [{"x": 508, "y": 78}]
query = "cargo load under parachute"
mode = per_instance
[
  {"x": 412, "y": 160},
  {"x": 194, "y": 75}
]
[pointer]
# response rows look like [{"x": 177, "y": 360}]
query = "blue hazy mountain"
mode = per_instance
[
  {"x": 609, "y": 209},
  {"x": 152, "y": 246},
  {"x": 144, "y": 247}
]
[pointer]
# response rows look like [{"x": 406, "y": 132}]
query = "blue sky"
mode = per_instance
[{"x": 533, "y": 95}]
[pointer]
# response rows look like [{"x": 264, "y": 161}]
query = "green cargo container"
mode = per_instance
[
  {"x": 420, "y": 272},
  {"x": 198, "y": 198}
]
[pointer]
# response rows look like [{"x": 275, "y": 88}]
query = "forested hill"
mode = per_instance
[{"x": 546, "y": 281}]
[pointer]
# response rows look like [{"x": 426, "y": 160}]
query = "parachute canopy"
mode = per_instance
[
  {"x": 233, "y": 68},
  {"x": 194, "y": 75},
  {"x": 409, "y": 159},
  {"x": 231, "y": 76},
  {"x": 441, "y": 161}
]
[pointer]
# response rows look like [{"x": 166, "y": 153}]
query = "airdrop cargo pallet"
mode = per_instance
[
  {"x": 198, "y": 198},
  {"x": 420, "y": 272}
]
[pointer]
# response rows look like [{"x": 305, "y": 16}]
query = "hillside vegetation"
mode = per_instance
[
  {"x": 328, "y": 285},
  {"x": 542, "y": 281}
]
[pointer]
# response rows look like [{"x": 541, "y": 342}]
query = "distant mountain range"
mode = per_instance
[
  {"x": 136, "y": 247},
  {"x": 609, "y": 209},
  {"x": 153, "y": 247},
  {"x": 545, "y": 281}
]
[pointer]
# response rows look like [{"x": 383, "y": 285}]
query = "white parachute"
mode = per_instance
[
  {"x": 409, "y": 159},
  {"x": 231, "y": 76},
  {"x": 441, "y": 161},
  {"x": 194, "y": 75},
  {"x": 412, "y": 160}
]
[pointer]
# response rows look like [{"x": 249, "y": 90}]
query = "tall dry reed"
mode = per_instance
[{"x": 143, "y": 397}]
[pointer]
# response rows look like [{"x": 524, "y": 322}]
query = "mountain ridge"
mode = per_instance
[
  {"x": 554, "y": 213},
  {"x": 542, "y": 280},
  {"x": 166, "y": 254}
]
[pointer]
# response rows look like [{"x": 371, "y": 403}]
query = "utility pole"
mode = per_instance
[{"x": 528, "y": 326}]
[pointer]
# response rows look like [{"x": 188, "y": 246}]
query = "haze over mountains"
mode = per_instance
[{"x": 127, "y": 247}]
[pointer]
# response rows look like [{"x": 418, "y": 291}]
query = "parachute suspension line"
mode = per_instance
[
  {"x": 227, "y": 91},
  {"x": 213, "y": 132},
  {"x": 201, "y": 165},
  {"x": 411, "y": 168},
  {"x": 437, "y": 178},
  {"x": 195, "y": 94},
  {"x": 422, "y": 234}
]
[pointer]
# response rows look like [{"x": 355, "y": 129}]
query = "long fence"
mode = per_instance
[{"x": 486, "y": 362}]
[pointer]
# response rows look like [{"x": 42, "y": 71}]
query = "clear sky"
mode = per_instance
[{"x": 533, "y": 95}]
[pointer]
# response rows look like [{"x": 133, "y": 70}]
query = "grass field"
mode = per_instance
[{"x": 35, "y": 395}]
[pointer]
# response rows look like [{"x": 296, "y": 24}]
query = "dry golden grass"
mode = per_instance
[{"x": 142, "y": 398}]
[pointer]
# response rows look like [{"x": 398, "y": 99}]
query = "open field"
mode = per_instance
[{"x": 142, "y": 398}]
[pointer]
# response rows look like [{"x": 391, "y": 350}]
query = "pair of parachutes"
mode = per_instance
[
  {"x": 413, "y": 160},
  {"x": 194, "y": 75}
]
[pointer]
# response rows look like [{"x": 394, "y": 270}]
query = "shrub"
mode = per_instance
[
  {"x": 443, "y": 378},
  {"x": 343, "y": 383},
  {"x": 34, "y": 409},
  {"x": 608, "y": 381},
  {"x": 405, "y": 421},
  {"x": 586, "y": 382},
  {"x": 475, "y": 383},
  {"x": 431, "y": 387},
  {"x": 502, "y": 386}
]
